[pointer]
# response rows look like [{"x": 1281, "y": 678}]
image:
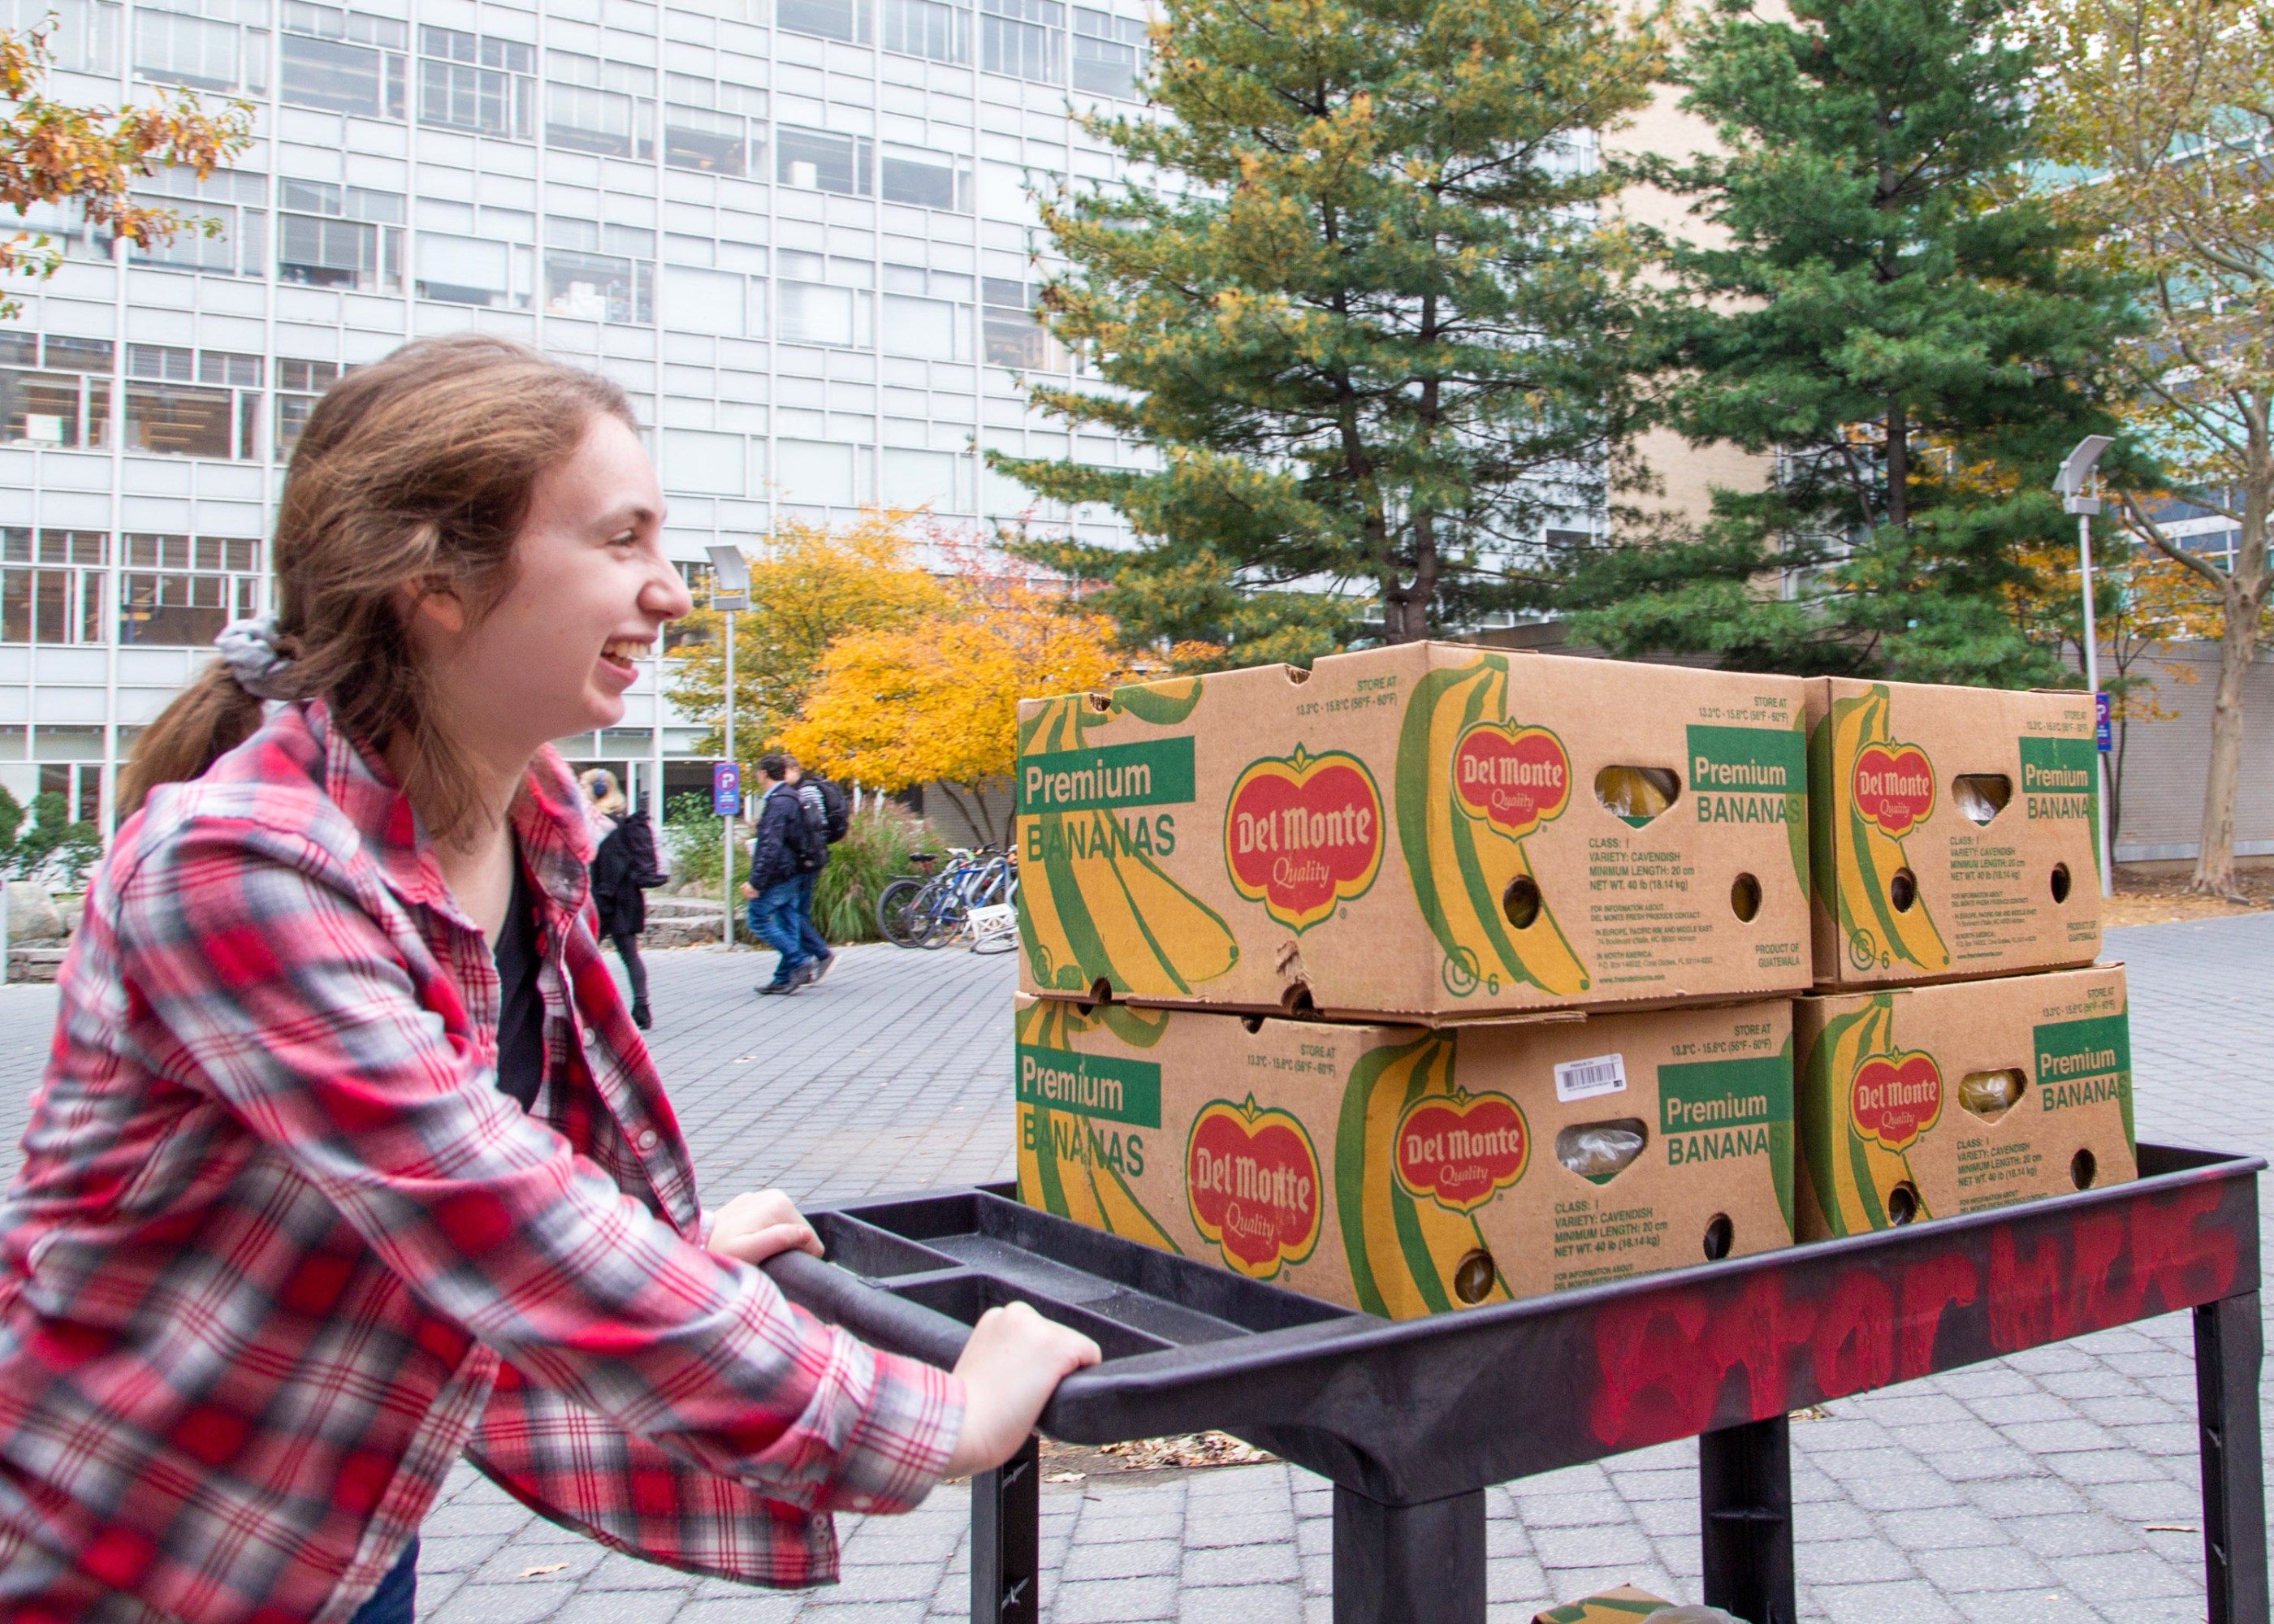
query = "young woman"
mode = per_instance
[
  {"x": 623, "y": 868},
  {"x": 301, "y": 1215}
]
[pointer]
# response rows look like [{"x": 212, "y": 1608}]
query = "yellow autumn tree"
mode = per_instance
[
  {"x": 52, "y": 152},
  {"x": 936, "y": 701},
  {"x": 810, "y": 586}
]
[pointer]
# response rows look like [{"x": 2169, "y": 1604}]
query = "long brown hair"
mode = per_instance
[{"x": 414, "y": 472}]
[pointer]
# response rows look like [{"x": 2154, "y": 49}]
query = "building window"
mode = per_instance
[
  {"x": 473, "y": 81},
  {"x": 598, "y": 107},
  {"x": 468, "y": 270},
  {"x": 235, "y": 242},
  {"x": 816, "y": 161},
  {"x": 178, "y": 591},
  {"x": 720, "y": 129},
  {"x": 823, "y": 302},
  {"x": 1110, "y": 54},
  {"x": 725, "y": 302},
  {"x": 596, "y": 272},
  {"x": 200, "y": 43},
  {"x": 1011, "y": 333},
  {"x": 924, "y": 179},
  {"x": 339, "y": 237},
  {"x": 299, "y": 386},
  {"x": 928, "y": 29},
  {"x": 85, "y": 38},
  {"x": 64, "y": 406},
  {"x": 820, "y": 473},
  {"x": 344, "y": 62},
  {"x": 1025, "y": 38},
  {"x": 926, "y": 313},
  {"x": 832, "y": 20},
  {"x": 52, "y": 604},
  {"x": 185, "y": 402}
]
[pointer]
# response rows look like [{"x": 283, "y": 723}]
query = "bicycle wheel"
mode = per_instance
[{"x": 895, "y": 911}]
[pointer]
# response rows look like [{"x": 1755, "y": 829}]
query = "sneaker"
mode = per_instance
[
  {"x": 817, "y": 969},
  {"x": 773, "y": 989},
  {"x": 640, "y": 1017}
]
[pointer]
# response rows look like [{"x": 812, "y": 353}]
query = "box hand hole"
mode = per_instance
[
  {"x": 1599, "y": 1151},
  {"x": 1253, "y": 1023},
  {"x": 1720, "y": 1234},
  {"x": 2084, "y": 1167},
  {"x": 2060, "y": 882},
  {"x": 1902, "y": 890},
  {"x": 1990, "y": 1095},
  {"x": 1981, "y": 795},
  {"x": 1635, "y": 795},
  {"x": 1521, "y": 901},
  {"x": 1473, "y": 1277},
  {"x": 1745, "y": 897},
  {"x": 1903, "y": 1205}
]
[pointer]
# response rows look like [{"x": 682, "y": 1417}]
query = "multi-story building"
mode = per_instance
[{"x": 799, "y": 232}]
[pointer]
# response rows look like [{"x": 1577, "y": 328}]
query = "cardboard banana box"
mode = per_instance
[
  {"x": 1919, "y": 1102},
  {"x": 1955, "y": 831},
  {"x": 1408, "y": 1170},
  {"x": 1624, "y": 1606},
  {"x": 1429, "y": 831}
]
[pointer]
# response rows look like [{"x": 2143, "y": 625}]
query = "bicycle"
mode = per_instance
[{"x": 896, "y": 903}]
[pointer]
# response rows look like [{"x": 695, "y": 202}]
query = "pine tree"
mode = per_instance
[
  {"x": 1888, "y": 311},
  {"x": 1365, "y": 314}
]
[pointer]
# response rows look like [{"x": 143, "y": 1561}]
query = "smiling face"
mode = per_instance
[{"x": 592, "y": 592}]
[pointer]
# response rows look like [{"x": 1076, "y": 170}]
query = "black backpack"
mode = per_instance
[{"x": 836, "y": 818}]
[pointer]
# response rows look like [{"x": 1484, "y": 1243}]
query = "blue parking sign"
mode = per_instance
[
  {"x": 2102, "y": 731},
  {"x": 725, "y": 789}
]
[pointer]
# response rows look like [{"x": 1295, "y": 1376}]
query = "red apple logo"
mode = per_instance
[
  {"x": 1894, "y": 1098},
  {"x": 1302, "y": 834},
  {"x": 1460, "y": 1150},
  {"x": 1252, "y": 1183},
  {"x": 1515, "y": 778},
  {"x": 1893, "y": 787}
]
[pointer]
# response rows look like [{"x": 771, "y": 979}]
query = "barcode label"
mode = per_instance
[{"x": 1583, "y": 1080}]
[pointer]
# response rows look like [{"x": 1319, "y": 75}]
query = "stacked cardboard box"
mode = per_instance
[
  {"x": 1960, "y": 1052},
  {"x": 1542, "y": 920}
]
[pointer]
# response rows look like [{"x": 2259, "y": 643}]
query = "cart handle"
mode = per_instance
[{"x": 838, "y": 1297}]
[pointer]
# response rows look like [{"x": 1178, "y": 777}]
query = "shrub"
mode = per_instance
[{"x": 874, "y": 850}]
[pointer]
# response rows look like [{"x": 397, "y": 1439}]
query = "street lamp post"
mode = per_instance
[
  {"x": 730, "y": 589},
  {"x": 2072, "y": 483}
]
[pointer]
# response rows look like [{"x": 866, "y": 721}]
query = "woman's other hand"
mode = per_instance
[
  {"x": 1013, "y": 1362},
  {"x": 758, "y": 1224}
]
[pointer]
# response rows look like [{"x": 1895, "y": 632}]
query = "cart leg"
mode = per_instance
[
  {"x": 1007, "y": 1537},
  {"x": 2230, "y": 1342},
  {"x": 1409, "y": 1564},
  {"x": 1744, "y": 1501}
]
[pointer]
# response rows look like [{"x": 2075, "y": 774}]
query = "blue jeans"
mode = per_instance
[
  {"x": 774, "y": 916},
  {"x": 815, "y": 944},
  {"x": 392, "y": 1603}
]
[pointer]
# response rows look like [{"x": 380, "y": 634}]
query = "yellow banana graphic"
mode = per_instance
[
  {"x": 1464, "y": 869},
  {"x": 1404, "y": 1255},
  {"x": 1858, "y": 871},
  {"x": 1062, "y": 1168},
  {"x": 1846, "y": 1177}
]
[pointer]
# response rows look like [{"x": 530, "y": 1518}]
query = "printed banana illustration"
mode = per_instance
[{"x": 1060, "y": 1165}]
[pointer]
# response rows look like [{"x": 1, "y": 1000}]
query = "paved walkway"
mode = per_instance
[{"x": 2054, "y": 1488}]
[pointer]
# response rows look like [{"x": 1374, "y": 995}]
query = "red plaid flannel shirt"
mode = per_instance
[{"x": 280, "y": 1249}]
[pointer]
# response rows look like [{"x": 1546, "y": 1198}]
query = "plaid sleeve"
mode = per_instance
[{"x": 289, "y": 984}]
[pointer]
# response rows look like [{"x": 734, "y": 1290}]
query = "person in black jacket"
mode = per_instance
[
  {"x": 777, "y": 858},
  {"x": 623, "y": 870}
]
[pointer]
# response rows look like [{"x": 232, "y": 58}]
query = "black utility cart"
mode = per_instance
[{"x": 1412, "y": 1420}]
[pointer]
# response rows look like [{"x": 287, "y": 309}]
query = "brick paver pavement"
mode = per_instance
[{"x": 2054, "y": 1488}]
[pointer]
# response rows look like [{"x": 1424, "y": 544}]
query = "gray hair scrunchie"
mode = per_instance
[{"x": 248, "y": 648}]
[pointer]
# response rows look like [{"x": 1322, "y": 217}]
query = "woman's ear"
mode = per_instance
[{"x": 443, "y": 610}]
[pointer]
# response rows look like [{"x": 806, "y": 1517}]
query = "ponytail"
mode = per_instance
[{"x": 208, "y": 719}]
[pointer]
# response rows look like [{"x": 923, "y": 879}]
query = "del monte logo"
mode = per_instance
[
  {"x": 1302, "y": 834},
  {"x": 1252, "y": 1182},
  {"x": 1894, "y": 1098},
  {"x": 1893, "y": 787},
  {"x": 1460, "y": 1150},
  {"x": 1514, "y": 778}
]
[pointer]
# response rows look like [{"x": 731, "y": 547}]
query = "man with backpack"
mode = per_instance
[
  {"x": 827, "y": 822},
  {"x": 779, "y": 857}
]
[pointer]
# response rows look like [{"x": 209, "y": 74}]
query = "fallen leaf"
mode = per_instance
[
  {"x": 539, "y": 1573},
  {"x": 2173, "y": 1528},
  {"x": 1066, "y": 1476}
]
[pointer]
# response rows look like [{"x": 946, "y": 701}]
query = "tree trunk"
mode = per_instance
[
  {"x": 1899, "y": 464},
  {"x": 2215, "y": 856}
]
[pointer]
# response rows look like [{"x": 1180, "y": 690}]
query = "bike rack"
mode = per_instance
[{"x": 1412, "y": 1420}]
